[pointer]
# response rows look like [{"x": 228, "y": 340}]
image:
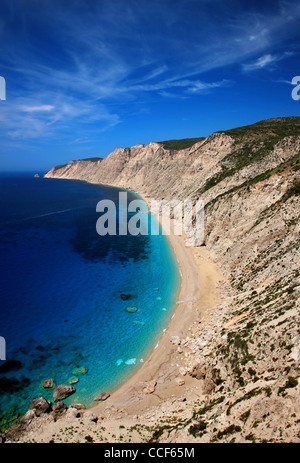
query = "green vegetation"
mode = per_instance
[
  {"x": 291, "y": 382},
  {"x": 277, "y": 127},
  {"x": 206, "y": 408},
  {"x": 180, "y": 144},
  {"x": 89, "y": 439},
  {"x": 293, "y": 191},
  {"x": 253, "y": 143},
  {"x": 198, "y": 429},
  {"x": 59, "y": 167},
  {"x": 245, "y": 416}
]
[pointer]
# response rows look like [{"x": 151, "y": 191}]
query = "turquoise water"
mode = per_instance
[{"x": 63, "y": 289}]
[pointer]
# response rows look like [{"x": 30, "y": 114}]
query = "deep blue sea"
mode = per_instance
[{"x": 64, "y": 291}]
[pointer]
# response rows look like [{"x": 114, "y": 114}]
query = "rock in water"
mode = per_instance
[
  {"x": 103, "y": 396},
  {"x": 48, "y": 383},
  {"x": 40, "y": 405},
  {"x": 131, "y": 309},
  {"x": 79, "y": 371},
  {"x": 10, "y": 365},
  {"x": 62, "y": 391},
  {"x": 73, "y": 380},
  {"x": 125, "y": 297}
]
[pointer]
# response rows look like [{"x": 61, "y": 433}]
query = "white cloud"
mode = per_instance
[
  {"x": 32, "y": 109},
  {"x": 115, "y": 53},
  {"x": 265, "y": 61}
]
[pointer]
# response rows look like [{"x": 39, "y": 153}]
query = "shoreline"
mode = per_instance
[
  {"x": 163, "y": 381},
  {"x": 164, "y": 376},
  {"x": 196, "y": 296}
]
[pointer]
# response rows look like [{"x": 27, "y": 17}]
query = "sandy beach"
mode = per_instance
[
  {"x": 197, "y": 296},
  {"x": 161, "y": 380}
]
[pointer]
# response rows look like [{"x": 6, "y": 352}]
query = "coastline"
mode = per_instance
[
  {"x": 196, "y": 297},
  {"x": 162, "y": 381}
]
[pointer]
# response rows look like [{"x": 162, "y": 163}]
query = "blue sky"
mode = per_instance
[{"x": 84, "y": 77}]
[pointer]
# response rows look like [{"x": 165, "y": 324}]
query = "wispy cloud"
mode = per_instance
[
  {"x": 265, "y": 61},
  {"x": 33, "y": 109},
  {"x": 97, "y": 61}
]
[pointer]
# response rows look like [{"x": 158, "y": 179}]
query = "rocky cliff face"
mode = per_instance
[{"x": 249, "y": 180}]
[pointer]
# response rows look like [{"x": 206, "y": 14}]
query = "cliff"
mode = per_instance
[{"x": 246, "y": 358}]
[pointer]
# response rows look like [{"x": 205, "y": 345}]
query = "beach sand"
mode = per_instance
[
  {"x": 198, "y": 296},
  {"x": 129, "y": 406}
]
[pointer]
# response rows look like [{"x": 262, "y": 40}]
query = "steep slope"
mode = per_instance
[{"x": 247, "y": 357}]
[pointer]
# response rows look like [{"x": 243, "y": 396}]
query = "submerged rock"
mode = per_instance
[
  {"x": 10, "y": 365},
  {"x": 40, "y": 405},
  {"x": 13, "y": 384},
  {"x": 125, "y": 297},
  {"x": 137, "y": 322},
  {"x": 79, "y": 371},
  {"x": 62, "y": 391},
  {"x": 102, "y": 396},
  {"x": 73, "y": 380},
  {"x": 131, "y": 309}
]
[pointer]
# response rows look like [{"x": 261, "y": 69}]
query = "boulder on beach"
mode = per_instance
[
  {"x": 102, "y": 396},
  {"x": 150, "y": 388},
  {"x": 59, "y": 408},
  {"x": 40, "y": 405},
  {"x": 62, "y": 391},
  {"x": 27, "y": 418}
]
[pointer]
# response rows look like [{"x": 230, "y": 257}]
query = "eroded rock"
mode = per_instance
[
  {"x": 41, "y": 405},
  {"x": 62, "y": 391},
  {"x": 102, "y": 396}
]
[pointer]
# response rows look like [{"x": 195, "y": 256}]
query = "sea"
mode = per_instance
[{"x": 65, "y": 291}]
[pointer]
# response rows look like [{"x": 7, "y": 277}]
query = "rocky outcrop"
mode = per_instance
[
  {"x": 62, "y": 391},
  {"x": 102, "y": 396},
  {"x": 40, "y": 405},
  {"x": 150, "y": 387}
]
